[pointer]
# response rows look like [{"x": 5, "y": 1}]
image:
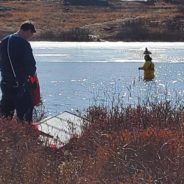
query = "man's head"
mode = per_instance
[
  {"x": 27, "y": 30},
  {"x": 147, "y": 58}
]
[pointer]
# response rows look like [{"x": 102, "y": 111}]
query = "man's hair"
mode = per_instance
[{"x": 28, "y": 25}]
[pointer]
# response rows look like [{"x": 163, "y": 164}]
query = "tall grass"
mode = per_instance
[
  {"x": 118, "y": 145},
  {"x": 130, "y": 145},
  {"x": 22, "y": 158}
]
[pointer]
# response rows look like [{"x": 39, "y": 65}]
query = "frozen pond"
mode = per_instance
[{"x": 76, "y": 75}]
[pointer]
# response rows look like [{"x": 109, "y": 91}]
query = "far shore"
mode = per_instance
[{"x": 120, "y": 21}]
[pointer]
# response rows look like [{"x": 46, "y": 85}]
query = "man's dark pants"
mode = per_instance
[{"x": 16, "y": 98}]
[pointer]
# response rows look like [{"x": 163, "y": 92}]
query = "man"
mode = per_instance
[
  {"x": 148, "y": 67},
  {"x": 17, "y": 63}
]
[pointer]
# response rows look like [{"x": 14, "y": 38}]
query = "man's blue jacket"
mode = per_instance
[{"x": 21, "y": 56}]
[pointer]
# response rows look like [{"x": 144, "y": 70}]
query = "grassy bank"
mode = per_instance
[
  {"x": 23, "y": 160},
  {"x": 119, "y": 145},
  {"x": 118, "y": 21}
]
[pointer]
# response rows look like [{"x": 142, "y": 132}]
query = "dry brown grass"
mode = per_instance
[
  {"x": 54, "y": 17},
  {"x": 133, "y": 145},
  {"x": 120, "y": 145},
  {"x": 23, "y": 160}
]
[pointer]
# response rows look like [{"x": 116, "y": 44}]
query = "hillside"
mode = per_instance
[{"x": 119, "y": 21}]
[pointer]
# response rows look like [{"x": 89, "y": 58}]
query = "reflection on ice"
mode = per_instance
[{"x": 107, "y": 51}]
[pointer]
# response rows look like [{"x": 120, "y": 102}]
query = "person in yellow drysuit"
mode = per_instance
[{"x": 148, "y": 67}]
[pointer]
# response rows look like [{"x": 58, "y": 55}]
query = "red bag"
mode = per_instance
[{"x": 35, "y": 90}]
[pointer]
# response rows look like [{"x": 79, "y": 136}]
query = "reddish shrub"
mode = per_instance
[
  {"x": 23, "y": 159},
  {"x": 132, "y": 145},
  {"x": 120, "y": 145}
]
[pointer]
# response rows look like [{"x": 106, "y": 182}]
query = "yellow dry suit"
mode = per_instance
[{"x": 149, "y": 70}]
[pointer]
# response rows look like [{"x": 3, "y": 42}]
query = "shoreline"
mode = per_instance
[{"x": 121, "y": 21}]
